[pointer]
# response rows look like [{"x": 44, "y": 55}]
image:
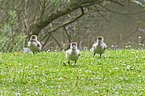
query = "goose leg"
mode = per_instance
[
  {"x": 69, "y": 62},
  {"x": 100, "y": 55}
]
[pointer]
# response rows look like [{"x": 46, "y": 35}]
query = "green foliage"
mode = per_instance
[
  {"x": 118, "y": 72},
  {"x": 139, "y": 2},
  {"x": 10, "y": 39}
]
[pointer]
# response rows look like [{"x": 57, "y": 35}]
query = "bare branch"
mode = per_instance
[
  {"x": 44, "y": 45},
  {"x": 69, "y": 22},
  {"x": 56, "y": 41},
  {"x": 111, "y": 10},
  {"x": 115, "y": 1},
  {"x": 69, "y": 39},
  {"x": 127, "y": 35},
  {"x": 125, "y": 14},
  {"x": 65, "y": 24},
  {"x": 142, "y": 40}
]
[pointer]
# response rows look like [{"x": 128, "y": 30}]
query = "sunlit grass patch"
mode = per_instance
[{"x": 117, "y": 72}]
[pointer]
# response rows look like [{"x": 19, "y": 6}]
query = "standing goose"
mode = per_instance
[
  {"x": 73, "y": 53},
  {"x": 99, "y": 47},
  {"x": 34, "y": 45}
]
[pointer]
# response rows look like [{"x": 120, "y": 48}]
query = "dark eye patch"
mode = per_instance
[
  {"x": 74, "y": 45},
  {"x": 33, "y": 37},
  {"x": 38, "y": 45}
]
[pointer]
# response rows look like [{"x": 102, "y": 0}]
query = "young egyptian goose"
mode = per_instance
[
  {"x": 34, "y": 45},
  {"x": 73, "y": 53},
  {"x": 99, "y": 47}
]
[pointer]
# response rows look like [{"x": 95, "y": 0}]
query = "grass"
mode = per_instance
[{"x": 118, "y": 72}]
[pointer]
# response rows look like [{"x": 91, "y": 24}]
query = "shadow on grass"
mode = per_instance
[
  {"x": 72, "y": 65},
  {"x": 76, "y": 66}
]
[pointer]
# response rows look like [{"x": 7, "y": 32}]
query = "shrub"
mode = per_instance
[{"x": 10, "y": 39}]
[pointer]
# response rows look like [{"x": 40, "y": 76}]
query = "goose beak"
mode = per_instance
[
  {"x": 74, "y": 48},
  {"x": 99, "y": 42},
  {"x": 32, "y": 40}
]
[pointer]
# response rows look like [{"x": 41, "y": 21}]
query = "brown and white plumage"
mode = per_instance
[
  {"x": 99, "y": 47},
  {"x": 73, "y": 53},
  {"x": 34, "y": 45}
]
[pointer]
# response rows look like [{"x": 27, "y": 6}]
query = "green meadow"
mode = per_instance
[{"x": 117, "y": 72}]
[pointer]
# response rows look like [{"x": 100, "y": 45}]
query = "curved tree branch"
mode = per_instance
[
  {"x": 56, "y": 41},
  {"x": 46, "y": 41},
  {"x": 69, "y": 22},
  {"x": 68, "y": 36},
  {"x": 142, "y": 40}
]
